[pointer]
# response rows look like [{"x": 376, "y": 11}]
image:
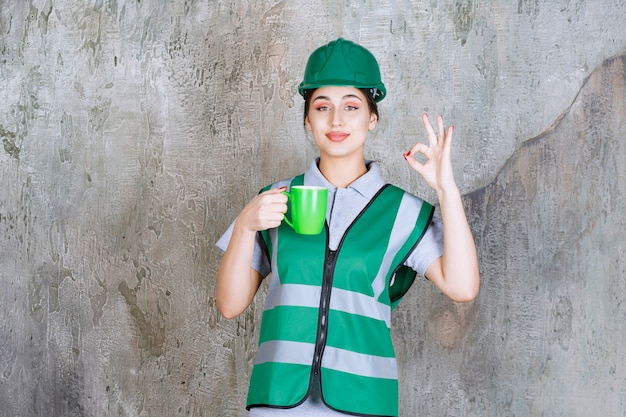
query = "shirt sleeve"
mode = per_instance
[
  {"x": 259, "y": 263},
  {"x": 428, "y": 249}
]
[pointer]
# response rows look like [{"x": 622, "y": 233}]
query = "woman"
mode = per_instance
[{"x": 325, "y": 343}]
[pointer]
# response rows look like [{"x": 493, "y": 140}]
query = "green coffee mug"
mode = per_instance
[{"x": 308, "y": 209}]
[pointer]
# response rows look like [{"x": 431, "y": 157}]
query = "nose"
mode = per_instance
[{"x": 337, "y": 118}]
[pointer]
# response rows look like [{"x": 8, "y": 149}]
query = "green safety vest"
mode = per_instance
[{"x": 328, "y": 313}]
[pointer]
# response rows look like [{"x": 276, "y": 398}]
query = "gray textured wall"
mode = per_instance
[{"x": 134, "y": 131}]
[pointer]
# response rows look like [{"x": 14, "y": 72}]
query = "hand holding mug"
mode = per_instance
[{"x": 265, "y": 211}]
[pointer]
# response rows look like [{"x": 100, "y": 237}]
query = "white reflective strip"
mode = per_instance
[
  {"x": 361, "y": 304},
  {"x": 359, "y": 363},
  {"x": 293, "y": 295},
  {"x": 274, "y": 239},
  {"x": 407, "y": 215},
  {"x": 274, "y": 283},
  {"x": 299, "y": 353}
]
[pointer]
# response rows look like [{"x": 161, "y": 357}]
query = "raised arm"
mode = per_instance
[
  {"x": 237, "y": 282},
  {"x": 456, "y": 272}
]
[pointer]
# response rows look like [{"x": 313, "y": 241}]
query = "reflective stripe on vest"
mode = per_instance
[{"x": 336, "y": 306}]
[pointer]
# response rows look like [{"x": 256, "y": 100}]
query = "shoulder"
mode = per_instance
[{"x": 406, "y": 195}]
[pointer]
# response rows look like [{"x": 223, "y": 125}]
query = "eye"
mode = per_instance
[
  {"x": 322, "y": 107},
  {"x": 351, "y": 106}
]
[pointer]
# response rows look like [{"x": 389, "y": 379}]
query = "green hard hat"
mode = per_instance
[{"x": 343, "y": 63}]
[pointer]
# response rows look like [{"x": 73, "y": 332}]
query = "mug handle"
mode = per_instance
[{"x": 285, "y": 219}]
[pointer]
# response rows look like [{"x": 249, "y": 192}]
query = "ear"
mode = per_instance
[
  {"x": 373, "y": 121},
  {"x": 307, "y": 124}
]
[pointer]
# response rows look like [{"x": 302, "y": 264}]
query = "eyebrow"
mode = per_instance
[{"x": 347, "y": 96}]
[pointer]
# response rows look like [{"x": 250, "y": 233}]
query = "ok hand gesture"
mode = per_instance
[{"x": 437, "y": 169}]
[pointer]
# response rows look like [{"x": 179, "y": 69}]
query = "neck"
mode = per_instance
[{"x": 341, "y": 172}]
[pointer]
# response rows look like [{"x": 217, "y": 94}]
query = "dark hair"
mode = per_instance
[{"x": 371, "y": 103}]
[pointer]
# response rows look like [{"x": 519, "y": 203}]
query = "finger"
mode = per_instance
[
  {"x": 280, "y": 208},
  {"x": 419, "y": 148},
  {"x": 410, "y": 156},
  {"x": 270, "y": 208},
  {"x": 270, "y": 218},
  {"x": 275, "y": 195},
  {"x": 273, "y": 217},
  {"x": 447, "y": 143},
  {"x": 275, "y": 190},
  {"x": 441, "y": 131},
  {"x": 278, "y": 199},
  {"x": 430, "y": 132}
]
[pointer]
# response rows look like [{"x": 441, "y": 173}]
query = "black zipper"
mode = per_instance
[{"x": 322, "y": 322}]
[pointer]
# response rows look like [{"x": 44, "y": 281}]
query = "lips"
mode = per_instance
[{"x": 337, "y": 136}]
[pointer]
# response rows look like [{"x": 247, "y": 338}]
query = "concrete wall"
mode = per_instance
[{"x": 134, "y": 131}]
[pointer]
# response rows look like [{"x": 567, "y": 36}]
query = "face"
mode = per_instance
[{"x": 339, "y": 119}]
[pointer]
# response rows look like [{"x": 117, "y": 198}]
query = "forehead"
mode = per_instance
[{"x": 338, "y": 93}]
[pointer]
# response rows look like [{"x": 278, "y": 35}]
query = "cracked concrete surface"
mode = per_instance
[{"x": 133, "y": 133}]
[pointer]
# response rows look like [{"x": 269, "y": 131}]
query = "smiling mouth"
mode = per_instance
[{"x": 336, "y": 136}]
